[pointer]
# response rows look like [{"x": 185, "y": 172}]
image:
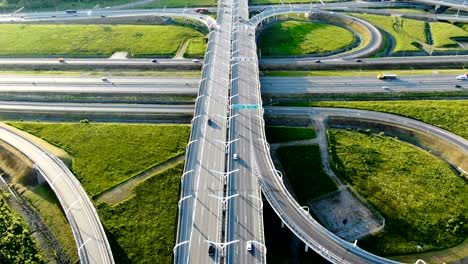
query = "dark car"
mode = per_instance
[
  {"x": 358, "y": 60},
  {"x": 211, "y": 250},
  {"x": 210, "y": 122},
  {"x": 317, "y": 61},
  {"x": 457, "y": 86},
  {"x": 155, "y": 60}
]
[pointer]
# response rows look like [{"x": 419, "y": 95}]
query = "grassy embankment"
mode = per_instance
[
  {"x": 196, "y": 48},
  {"x": 276, "y": 134},
  {"x": 142, "y": 227},
  {"x": 444, "y": 33},
  {"x": 16, "y": 244},
  {"x": 94, "y": 40},
  {"x": 446, "y": 114},
  {"x": 300, "y": 38},
  {"x": 423, "y": 201},
  {"x": 406, "y": 32},
  {"x": 303, "y": 167},
  {"x": 105, "y": 155}
]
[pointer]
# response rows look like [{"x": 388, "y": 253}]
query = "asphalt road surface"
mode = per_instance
[{"x": 350, "y": 84}]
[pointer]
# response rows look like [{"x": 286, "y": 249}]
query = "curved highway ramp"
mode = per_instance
[{"x": 87, "y": 229}]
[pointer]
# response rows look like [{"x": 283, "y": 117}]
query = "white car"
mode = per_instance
[
  {"x": 235, "y": 156},
  {"x": 195, "y": 61},
  {"x": 462, "y": 77},
  {"x": 249, "y": 246}
]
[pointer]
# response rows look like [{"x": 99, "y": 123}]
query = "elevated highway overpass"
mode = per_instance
[{"x": 89, "y": 234}]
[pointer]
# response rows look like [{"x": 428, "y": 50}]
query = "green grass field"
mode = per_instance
[
  {"x": 277, "y": 134},
  {"x": 142, "y": 228},
  {"x": 92, "y": 40},
  {"x": 45, "y": 202},
  {"x": 447, "y": 114},
  {"x": 16, "y": 242},
  {"x": 303, "y": 167},
  {"x": 107, "y": 154},
  {"x": 300, "y": 38},
  {"x": 36, "y": 5},
  {"x": 443, "y": 34},
  {"x": 196, "y": 48},
  {"x": 405, "y": 31},
  {"x": 422, "y": 200}
]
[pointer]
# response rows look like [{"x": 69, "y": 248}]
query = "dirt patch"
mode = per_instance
[{"x": 347, "y": 216}]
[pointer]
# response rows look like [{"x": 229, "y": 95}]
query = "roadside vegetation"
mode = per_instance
[
  {"x": 196, "y": 48},
  {"x": 277, "y": 134},
  {"x": 105, "y": 155},
  {"x": 142, "y": 228},
  {"x": 423, "y": 201},
  {"x": 44, "y": 201},
  {"x": 36, "y": 5},
  {"x": 447, "y": 114},
  {"x": 301, "y": 38},
  {"x": 93, "y": 40},
  {"x": 303, "y": 167},
  {"x": 17, "y": 245},
  {"x": 406, "y": 32},
  {"x": 443, "y": 34}
]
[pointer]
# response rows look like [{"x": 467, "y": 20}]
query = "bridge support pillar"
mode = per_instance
[
  {"x": 282, "y": 224},
  {"x": 306, "y": 248},
  {"x": 39, "y": 177}
]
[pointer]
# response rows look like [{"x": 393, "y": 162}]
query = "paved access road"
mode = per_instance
[{"x": 87, "y": 229}]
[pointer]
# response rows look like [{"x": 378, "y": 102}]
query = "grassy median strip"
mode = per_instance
[
  {"x": 142, "y": 229},
  {"x": 303, "y": 166},
  {"x": 447, "y": 114},
  {"x": 93, "y": 40},
  {"x": 300, "y": 38},
  {"x": 277, "y": 134},
  {"x": 423, "y": 201},
  {"x": 107, "y": 154}
]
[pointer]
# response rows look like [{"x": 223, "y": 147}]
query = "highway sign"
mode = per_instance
[{"x": 245, "y": 106}]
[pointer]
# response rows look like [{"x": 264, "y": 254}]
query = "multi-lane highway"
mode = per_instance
[
  {"x": 87, "y": 229},
  {"x": 202, "y": 202},
  {"x": 97, "y": 85},
  {"x": 283, "y": 86},
  {"x": 227, "y": 156},
  {"x": 28, "y": 85}
]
